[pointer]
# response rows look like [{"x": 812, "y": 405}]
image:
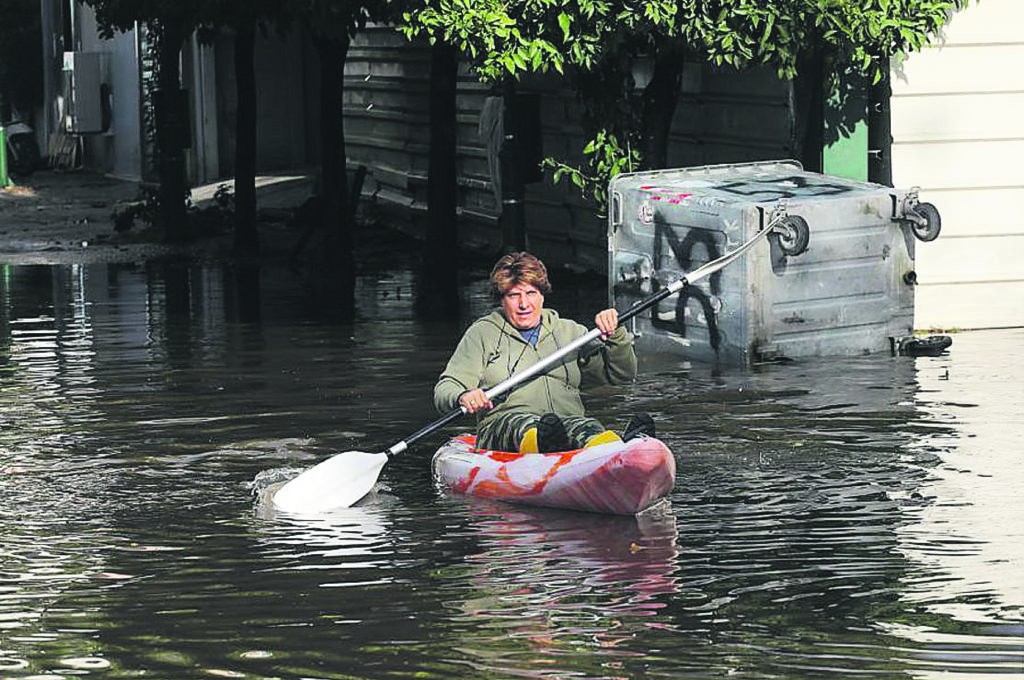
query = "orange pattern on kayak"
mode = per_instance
[
  {"x": 464, "y": 485},
  {"x": 618, "y": 480},
  {"x": 503, "y": 485}
]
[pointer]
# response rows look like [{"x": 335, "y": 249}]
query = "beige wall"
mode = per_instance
[{"x": 958, "y": 133}]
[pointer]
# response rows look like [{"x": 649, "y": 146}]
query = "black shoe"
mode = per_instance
[
  {"x": 551, "y": 435},
  {"x": 640, "y": 424},
  {"x": 930, "y": 346}
]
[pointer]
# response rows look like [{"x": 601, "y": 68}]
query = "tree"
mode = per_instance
[
  {"x": 332, "y": 26},
  {"x": 244, "y": 18},
  {"x": 247, "y": 240},
  {"x": 591, "y": 42},
  {"x": 597, "y": 42},
  {"x": 438, "y": 286},
  {"x": 815, "y": 44},
  {"x": 171, "y": 22}
]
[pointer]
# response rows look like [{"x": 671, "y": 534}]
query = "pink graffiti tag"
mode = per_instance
[{"x": 662, "y": 193}]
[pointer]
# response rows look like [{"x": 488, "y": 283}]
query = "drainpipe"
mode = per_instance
[
  {"x": 880, "y": 127},
  {"x": 48, "y": 26},
  {"x": 513, "y": 219},
  {"x": 4, "y": 179}
]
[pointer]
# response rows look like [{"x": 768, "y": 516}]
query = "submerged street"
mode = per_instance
[
  {"x": 830, "y": 516},
  {"x": 806, "y": 213}
]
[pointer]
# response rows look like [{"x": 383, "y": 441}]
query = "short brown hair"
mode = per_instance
[{"x": 516, "y": 268}]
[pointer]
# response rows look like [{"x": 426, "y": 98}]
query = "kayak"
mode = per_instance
[{"x": 618, "y": 478}]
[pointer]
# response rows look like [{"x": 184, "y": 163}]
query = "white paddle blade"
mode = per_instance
[{"x": 338, "y": 482}]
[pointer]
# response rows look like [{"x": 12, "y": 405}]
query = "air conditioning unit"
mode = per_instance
[{"x": 83, "y": 108}]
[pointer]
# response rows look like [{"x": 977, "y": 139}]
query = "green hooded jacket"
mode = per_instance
[{"x": 492, "y": 349}]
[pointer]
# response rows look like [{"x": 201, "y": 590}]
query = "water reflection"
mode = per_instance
[
  {"x": 544, "y": 582},
  {"x": 831, "y": 517},
  {"x": 966, "y": 537},
  {"x": 357, "y": 538}
]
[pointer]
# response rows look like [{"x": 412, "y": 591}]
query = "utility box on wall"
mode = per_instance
[
  {"x": 850, "y": 291},
  {"x": 83, "y": 103}
]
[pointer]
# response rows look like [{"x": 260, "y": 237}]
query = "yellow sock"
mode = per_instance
[
  {"x": 606, "y": 437},
  {"x": 529, "y": 442}
]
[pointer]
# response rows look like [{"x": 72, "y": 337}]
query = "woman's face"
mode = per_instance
[{"x": 522, "y": 305}]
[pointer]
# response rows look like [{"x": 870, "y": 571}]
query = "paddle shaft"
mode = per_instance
[{"x": 636, "y": 308}]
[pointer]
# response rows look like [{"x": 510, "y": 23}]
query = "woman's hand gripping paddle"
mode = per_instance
[{"x": 343, "y": 479}]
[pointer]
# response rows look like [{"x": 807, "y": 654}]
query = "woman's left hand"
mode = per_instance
[{"x": 607, "y": 321}]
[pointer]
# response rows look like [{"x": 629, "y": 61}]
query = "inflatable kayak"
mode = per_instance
[{"x": 619, "y": 478}]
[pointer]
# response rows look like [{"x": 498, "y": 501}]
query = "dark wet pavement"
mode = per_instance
[{"x": 54, "y": 217}]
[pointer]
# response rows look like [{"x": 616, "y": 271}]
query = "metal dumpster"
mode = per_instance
[{"x": 847, "y": 289}]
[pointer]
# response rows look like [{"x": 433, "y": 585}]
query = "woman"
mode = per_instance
[{"x": 545, "y": 413}]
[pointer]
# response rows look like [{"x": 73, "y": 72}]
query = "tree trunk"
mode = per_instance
[
  {"x": 336, "y": 215},
  {"x": 247, "y": 240},
  {"x": 660, "y": 98},
  {"x": 438, "y": 286},
  {"x": 172, "y": 134},
  {"x": 807, "y": 105}
]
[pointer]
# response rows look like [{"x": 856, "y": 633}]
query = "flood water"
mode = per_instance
[{"x": 857, "y": 517}]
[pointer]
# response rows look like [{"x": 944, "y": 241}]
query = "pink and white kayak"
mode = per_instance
[{"x": 619, "y": 478}]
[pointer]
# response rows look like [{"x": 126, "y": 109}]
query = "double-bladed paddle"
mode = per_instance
[{"x": 343, "y": 479}]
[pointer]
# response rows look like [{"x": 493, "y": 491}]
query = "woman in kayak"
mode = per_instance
[{"x": 545, "y": 413}]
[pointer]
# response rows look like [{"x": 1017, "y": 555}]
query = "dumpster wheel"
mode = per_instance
[
  {"x": 925, "y": 221},
  {"x": 794, "y": 235}
]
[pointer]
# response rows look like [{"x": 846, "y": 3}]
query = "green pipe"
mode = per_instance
[{"x": 4, "y": 179}]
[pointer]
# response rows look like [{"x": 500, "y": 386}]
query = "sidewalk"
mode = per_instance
[{"x": 66, "y": 217}]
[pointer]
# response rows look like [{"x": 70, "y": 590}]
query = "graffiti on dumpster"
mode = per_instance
[
  {"x": 682, "y": 254},
  {"x": 692, "y": 200},
  {"x": 670, "y": 252},
  {"x": 780, "y": 188},
  {"x": 669, "y": 195}
]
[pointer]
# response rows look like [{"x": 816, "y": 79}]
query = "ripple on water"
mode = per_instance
[{"x": 831, "y": 518}]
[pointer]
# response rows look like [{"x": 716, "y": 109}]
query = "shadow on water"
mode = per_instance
[{"x": 831, "y": 517}]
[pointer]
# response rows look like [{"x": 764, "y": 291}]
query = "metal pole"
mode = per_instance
[
  {"x": 513, "y": 220},
  {"x": 4, "y": 179},
  {"x": 880, "y": 128}
]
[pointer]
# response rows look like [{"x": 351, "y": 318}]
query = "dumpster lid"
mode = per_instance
[{"x": 758, "y": 183}]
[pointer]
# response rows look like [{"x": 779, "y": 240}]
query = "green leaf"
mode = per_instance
[{"x": 566, "y": 23}]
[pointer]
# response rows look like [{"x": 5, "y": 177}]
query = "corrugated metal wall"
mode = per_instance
[
  {"x": 386, "y": 90},
  {"x": 729, "y": 117},
  {"x": 958, "y": 130},
  {"x": 723, "y": 117},
  {"x": 387, "y": 129}
]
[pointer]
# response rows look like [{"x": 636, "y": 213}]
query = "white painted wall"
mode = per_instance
[
  {"x": 116, "y": 152},
  {"x": 958, "y": 134},
  {"x": 125, "y": 124},
  {"x": 199, "y": 73}
]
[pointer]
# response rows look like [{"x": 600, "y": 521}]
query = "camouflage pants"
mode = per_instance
[{"x": 506, "y": 430}]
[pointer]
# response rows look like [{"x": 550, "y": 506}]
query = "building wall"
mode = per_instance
[
  {"x": 387, "y": 124},
  {"x": 115, "y": 151},
  {"x": 958, "y": 132},
  {"x": 283, "y": 99},
  {"x": 199, "y": 73},
  {"x": 723, "y": 117}
]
